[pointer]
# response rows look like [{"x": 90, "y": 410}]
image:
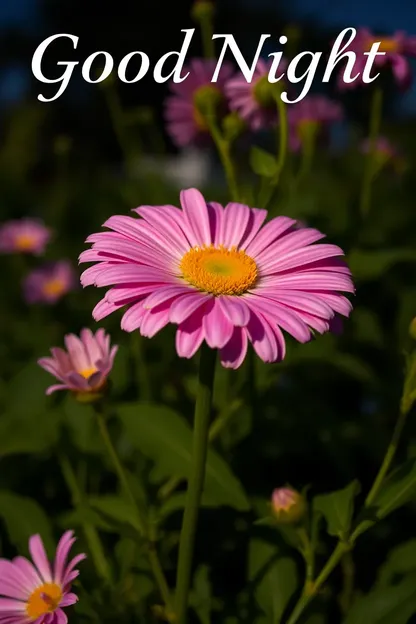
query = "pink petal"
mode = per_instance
[
  {"x": 155, "y": 319},
  {"x": 164, "y": 294},
  {"x": 235, "y": 309},
  {"x": 234, "y": 352},
  {"x": 264, "y": 339},
  {"x": 257, "y": 218},
  {"x": 186, "y": 305},
  {"x": 196, "y": 214},
  {"x": 234, "y": 224},
  {"x": 268, "y": 234},
  {"x": 189, "y": 335},
  {"x": 39, "y": 557},
  {"x": 218, "y": 328},
  {"x": 133, "y": 317}
]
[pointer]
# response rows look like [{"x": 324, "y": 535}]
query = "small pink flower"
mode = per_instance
[
  {"x": 185, "y": 123},
  {"x": 220, "y": 275},
  {"x": 49, "y": 283},
  {"x": 28, "y": 236},
  {"x": 288, "y": 506},
  {"x": 84, "y": 366},
  {"x": 311, "y": 116},
  {"x": 397, "y": 48},
  {"x": 254, "y": 100},
  {"x": 38, "y": 592}
]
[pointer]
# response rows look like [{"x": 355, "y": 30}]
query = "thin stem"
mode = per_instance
[
  {"x": 203, "y": 408},
  {"x": 348, "y": 570},
  {"x": 224, "y": 150},
  {"x": 217, "y": 426},
  {"x": 388, "y": 458},
  {"x": 91, "y": 534},
  {"x": 143, "y": 377},
  {"x": 151, "y": 550},
  {"x": 313, "y": 588},
  {"x": 281, "y": 151},
  {"x": 374, "y": 131},
  {"x": 207, "y": 41}
]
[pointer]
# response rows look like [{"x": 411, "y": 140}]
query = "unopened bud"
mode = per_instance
[
  {"x": 201, "y": 10},
  {"x": 412, "y": 329},
  {"x": 288, "y": 506}
]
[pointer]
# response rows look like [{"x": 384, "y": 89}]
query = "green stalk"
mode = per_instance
[
  {"x": 283, "y": 133},
  {"x": 374, "y": 131},
  {"x": 91, "y": 534},
  {"x": 151, "y": 550},
  {"x": 207, "y": 32},
  {"x": 203, "y": 409}
]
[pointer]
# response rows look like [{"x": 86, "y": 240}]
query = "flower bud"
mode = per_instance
[
  {"x": 412, "y": 329},
  {"x": 288, "y": 506},
  {"x": 202, "y": 10}
]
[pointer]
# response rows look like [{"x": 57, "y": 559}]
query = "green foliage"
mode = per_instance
[
  {"x": 337, "y": 508},
  {"x": 24, "y": 517},
  {"x": 398, "y": 489},
  {"x": 263, "y": 163},
  {"x": 165, "y": 437}
]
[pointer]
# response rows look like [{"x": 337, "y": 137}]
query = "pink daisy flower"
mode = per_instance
[
  {"x": 37, "y": 592},
  {"x": 396, "y": 47},
  {"x": 24, "y": 236},
  {"x": 49, "y": 283},
  {"x": 254, "y": 100},
  {"x": 220, "y": 275},
  {"x": 84, "y": 366},
  {"x": 311, "y": 116},
  {"x": 185, "y": 123}
]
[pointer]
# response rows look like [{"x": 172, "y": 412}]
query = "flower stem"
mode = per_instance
[
  {"x": 224, "y": 151},
  {"x": 281, "y": 151},
  {"x": 312, "y": 589},
  {"x": 91, "y": 534},
  {"x": 151, "y": 550},
  {"x": 203, "y": 408},
  {"x": 217, "y": 426},
  {"x": 388, "y": 458},
  {"x": 374, "y": 130},
  {"x": 207, "y": 41}
]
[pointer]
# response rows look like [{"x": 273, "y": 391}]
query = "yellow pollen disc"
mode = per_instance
[
  {"x": 387, "y": 45},
  {"x": 24, "y": 242},
  {"x": 54, "y": 287},
  {"x": 45, "y": 599},
  {"x": 87, "y": 372},
  {"x": 218, "y": 270}
]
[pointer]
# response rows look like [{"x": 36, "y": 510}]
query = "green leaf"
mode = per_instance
[
  {"x": 81, "y": 421},
  {"x": 274, "y": 578},
  {"x": 263, "y": 163},
  {"x": 337, "y": 509},
  {"x": 398, "y": 489},
  {"x": 116, "y": 509},
  {"x": 373, "y": 264},
  {"x": 23, "y": 433},
  {"x": 201, "y": 595},
  {"x": 24, "y": 517},
  {"x": 164, "y": 436},
  {"x": 401, "y": 560},
  {"x": 84, "y": 515},
  {"x": 27, "y": 391},
  {"x": 385, "y": 605},
  {"x": 177, "y": 502}
]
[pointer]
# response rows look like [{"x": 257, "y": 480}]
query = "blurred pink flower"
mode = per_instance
[
  {"x": 219, "y": 275},
  {"x": 254, "y": 100},
  {"x": 50, "y": 282},
  {"x": 311, "y": 116},
  {"x": 38, "y": 592},
  {"x": 397, "y": 48},
  {"x": 185, "y": 123},
  {"x": 84, "y": 366},
  {"x": 385, "y": 153},
  {"x": 24, "y": 236}
]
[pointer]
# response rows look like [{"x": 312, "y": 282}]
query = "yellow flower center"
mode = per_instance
[
  {"x": 388, "y": 44},
  {"x": 45, "y": 599},
  {"x": 218, "y": 270},
  {"x": 24, "y": 242},
  {"x": 88, "y": 372},
  {"x": 54, "y": 287}
]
